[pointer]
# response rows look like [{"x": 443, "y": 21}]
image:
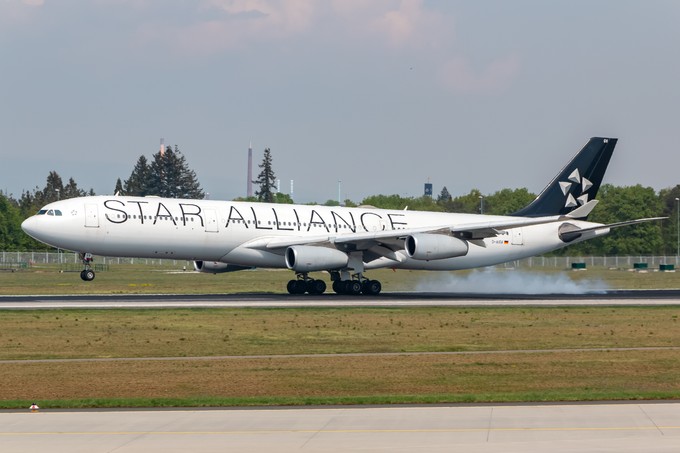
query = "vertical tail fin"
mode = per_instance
[{"x": 576, "y": 184}]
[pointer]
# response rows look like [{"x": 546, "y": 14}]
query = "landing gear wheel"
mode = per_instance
[
  {"x": 371, "y": 287},
  {"x": 296, "y": 287},
  {"x": 338, "y": 287},
  {"x": 316, "y": 286},
  {"x": 353, "y": 287},
  {"x": 292, "y": 284},
  {"x": 87, "y": 274}
]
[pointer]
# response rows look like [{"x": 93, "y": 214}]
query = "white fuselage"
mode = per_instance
[{"x": 229, "y": 232}]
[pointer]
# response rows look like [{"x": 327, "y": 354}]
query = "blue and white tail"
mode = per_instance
[{"x": 576, "y": 184}]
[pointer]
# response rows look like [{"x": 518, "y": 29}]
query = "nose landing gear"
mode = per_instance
[{"x": 87, "y": 274}]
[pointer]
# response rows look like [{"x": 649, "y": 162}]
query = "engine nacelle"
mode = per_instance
[
  {"x": 434, "y": 247},
  {"x": 215, "y": 267},
  {"x": 307, "y": 258}
]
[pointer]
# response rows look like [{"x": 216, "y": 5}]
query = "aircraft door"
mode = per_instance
[
  {"x": 517, "y": 236},
  {"x": 211, "y": 221},
  {"x": 91, "y": 216}
]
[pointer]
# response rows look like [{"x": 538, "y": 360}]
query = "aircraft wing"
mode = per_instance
[{"x": 392, "y": 240}]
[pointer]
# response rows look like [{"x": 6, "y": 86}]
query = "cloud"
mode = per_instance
[
  {"x": 399, "y": 24},
  {"x": 413, "y": 25},
  {"x": 224, "y": 25},
  {"x": 234, "y": 24},
  {"x": 18, "y": 14},
  {"x": 458, "y": 75}
]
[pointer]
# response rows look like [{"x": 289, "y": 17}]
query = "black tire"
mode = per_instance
[
  {"x": 338, "y": 287},
  {"x": 316, "y": 286},
  {"x": 353, "y": 287},
  {"x": 291, "y": 286},
  {"x": 88, "y": 275},
  {"x": 300, "y": 287},
  {"x": 82, "y": 275},
  {"x": 371, "y": 287}
]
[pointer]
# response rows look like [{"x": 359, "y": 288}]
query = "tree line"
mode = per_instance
[{"x": 167, "y": 174}]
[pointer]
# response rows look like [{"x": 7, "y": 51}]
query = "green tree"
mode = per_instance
[
  {"x": 444, "y": 196},
  {"x": 171, "y": 177},
  {"x": 469, "y": 203},
  {"x": 53, "y": 190},
  {"x": 347, "y": 203},
  {"x": 386, "y": 201},
  {"x": 118, "y": 190},
  {"x": 617, "y": 204},
  {"x": 266, "y": 179},
  {"x": 28, "y": 205},
  {"x": 71, "y": 190},
  {"x": 249, "y": 199},
  {"x": 507, "y": 201},
  {"x": 424, "y": 203},
  {"x": 669, "y": 228},
  {"x": 137, "y": 184},
  {"x": 11, "y": 235},
  {"x": 282, "y": 198}
]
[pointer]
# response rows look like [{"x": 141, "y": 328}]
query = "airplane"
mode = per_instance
[{"x": 227, "y": 236}]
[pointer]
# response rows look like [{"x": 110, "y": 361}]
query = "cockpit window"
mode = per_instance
[{"x": 56, "y": 212}]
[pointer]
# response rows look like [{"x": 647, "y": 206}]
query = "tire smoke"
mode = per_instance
[{"x": 495, "y": 281}]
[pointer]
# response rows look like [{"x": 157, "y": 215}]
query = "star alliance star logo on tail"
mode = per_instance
[{"x": 575, "y": 178}]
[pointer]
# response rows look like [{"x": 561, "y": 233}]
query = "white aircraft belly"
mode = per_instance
[{"x": 165, "y": 240}]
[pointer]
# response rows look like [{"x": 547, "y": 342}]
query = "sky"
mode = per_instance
[{"x": 383, "y": 95}]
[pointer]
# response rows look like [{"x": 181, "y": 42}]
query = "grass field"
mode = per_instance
[
  {"x": 141, "y": 279},
  {"x": 527, "y": 355},
  {"x": 217, "y": 357}
]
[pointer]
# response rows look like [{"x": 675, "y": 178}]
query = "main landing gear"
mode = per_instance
[
  {"x": 87, "y": 274},
  {"x": 352, "y": 285},
  {"x": 356, "y": 286},
  {"x": 304, "y": 284}
]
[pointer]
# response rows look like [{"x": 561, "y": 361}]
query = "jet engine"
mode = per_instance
[
  {"x": 307, "y": 258},
  {"x": 215, "y": 267},
  {"x": 434, "y": 247}
]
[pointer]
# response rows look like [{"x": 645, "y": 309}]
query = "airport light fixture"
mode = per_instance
[{"x": 481, "y": 204}]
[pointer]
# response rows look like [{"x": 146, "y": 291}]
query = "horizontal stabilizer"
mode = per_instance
[
  {"x": 568, "y": 236},
  {"x": 583, "y": 211}
]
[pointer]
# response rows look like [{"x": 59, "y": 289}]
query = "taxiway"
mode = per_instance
[{"x": 559, "y": 428}]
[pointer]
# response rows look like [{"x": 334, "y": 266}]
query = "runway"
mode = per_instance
[
  {"x": 388, "y": 299},
  {"x": 558, "y": 428}
]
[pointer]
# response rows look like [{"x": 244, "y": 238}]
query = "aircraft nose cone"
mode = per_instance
[{"x": 29, "y": 226}]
